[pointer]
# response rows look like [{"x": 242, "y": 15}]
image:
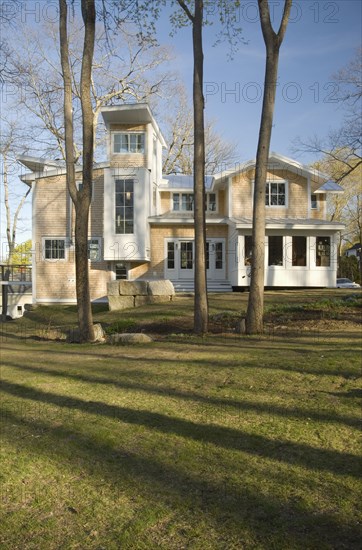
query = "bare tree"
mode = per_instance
[
  {"x": 10, "y": 142},
  {"x": 178, "y": 130},
  {"x": 81, "y": 198},
  {"x": 273, "y": 41},
  {"x": 123, "y": 70}
]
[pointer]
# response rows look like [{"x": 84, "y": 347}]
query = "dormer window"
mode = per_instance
[
  {"x": 127, "y": 142},
  {"x": 314, "y": 201}
]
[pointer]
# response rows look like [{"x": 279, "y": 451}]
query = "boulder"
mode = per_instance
[
  {"x": 130, "y": 338},
  {"x": 73, "y": 335},
  {"x": 145, "y": 300},
  {"x": 120, "y": 302},
  {"x": 161, "y": 288},
  {"x": 133, "y": 288},
  {"x": 113, "y": 288}
]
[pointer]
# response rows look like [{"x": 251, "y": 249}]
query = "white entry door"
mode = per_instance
[{"x": 215, "y": 260}]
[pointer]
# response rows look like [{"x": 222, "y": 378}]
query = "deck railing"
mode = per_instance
[{"x": 15, "y": 273}]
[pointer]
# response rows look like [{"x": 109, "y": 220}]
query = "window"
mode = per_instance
[
  {"x": 124, "y": 205},
  {"x": 121, "y": 271},
  {"x": 275, "y": 256},
  {"x": 187, "y": 259},
  {"x": 218, "y": 255},
  {"x": 299, "y": 251},
  {"x": 94, "y": 249},
  {"x": 323, "y": 251},
  {"x": 54, "y": 249},
  {"x": 128, "y": 143},
  {"x": 275, "y": 194},
  {"x": 314, "y": 201},
  {"x": 183, "y": 202},
  {"x": 210, "y": 202},
  {"x": 248, "y": 252},
  {"x": 171, "y": 255}
]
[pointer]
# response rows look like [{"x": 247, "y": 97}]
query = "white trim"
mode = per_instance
[
  {"x": 34, "y": 259},
  {"x": 55, "y": 238},
  {"x": 56, "y": 301},
  {"x": 269, "y": 182}
]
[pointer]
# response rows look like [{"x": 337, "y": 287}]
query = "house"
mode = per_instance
[
  {"x": 354, "y": 250},
  {"x": 141, "y": 222}
]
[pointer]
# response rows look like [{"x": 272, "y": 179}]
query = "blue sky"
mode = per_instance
[{"x": 321, "y": 38}]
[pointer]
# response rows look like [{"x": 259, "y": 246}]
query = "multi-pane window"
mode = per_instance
[
  {"x": 218, "y": 256},
  {"x": 183, "y": 202},
  {"x": 121, "y": 271},
  {"x": 275, "y": 255},
  {"x": 323, "y": 251},
  {"x": 275, "y": 194},
  {"x": 248, "y": 249},
  {"x": 54, "y": 249},
  {"x": 171, "y": 255},
  {"x": 187, "y": 259},
  {"x": 94, "y": 250},
  {"x": 314, "y": 201},
  {"x": 299, "y": 251},
  {"x": 210, "y": 202},
  {"x": 128, "y": 143},
  {"x": 124, "y": 205}
]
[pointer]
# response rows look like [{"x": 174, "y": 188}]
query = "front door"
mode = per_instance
[{"x": 215, "y": 261}]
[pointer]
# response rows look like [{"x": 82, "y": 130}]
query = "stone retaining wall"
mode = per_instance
[{"x": 128, "y": 294}]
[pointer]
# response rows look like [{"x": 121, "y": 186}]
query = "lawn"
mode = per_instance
[{"x": 225, "y": 442}]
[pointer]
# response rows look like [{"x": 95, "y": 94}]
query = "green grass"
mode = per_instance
[{"x": 223, "y": 442}]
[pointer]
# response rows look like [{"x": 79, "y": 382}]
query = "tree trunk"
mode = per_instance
[
  {"x": 81, "y": 199},
  {"x": 201, "y": 301},
  {"x": 255, "y": 311}
]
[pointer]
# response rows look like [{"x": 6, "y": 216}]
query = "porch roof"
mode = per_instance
[{"x": 289, "y": 223}]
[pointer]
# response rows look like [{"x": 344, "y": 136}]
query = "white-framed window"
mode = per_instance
[
  {"x": 128, "y": 142},
  {"x": 182, "y": 202},
  {"x": 210, "y": 202},
  {"x": 323, "y": 251},
  {"x": 124, "y": 209},
  {"x": 248, "y": 243},
  {"x": 314, "y": 201},
  {"x": 121, "y": 271},
  {"x": 54, "y": 248},
  {"x": 171, "y": 255},
  {"x": 299, "y": 251},
  {"x": 275, "y": 250},
  {"x": 276, "y": 193},
  {"x": 94, "y": 249}
]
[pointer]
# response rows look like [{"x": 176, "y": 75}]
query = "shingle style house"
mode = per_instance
[{"x": 141, "y": 222}]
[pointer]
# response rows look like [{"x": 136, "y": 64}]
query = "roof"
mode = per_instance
[
  {"x": 183, "y": 181},
  {"x": 131, "y": 113},
  {"x": 280, "y": 162},
  {"x": 330, "y": 187},
  {"x": 356, "y": 246}
]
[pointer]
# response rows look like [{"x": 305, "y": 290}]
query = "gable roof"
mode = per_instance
[{"x": 280, "y": 162}]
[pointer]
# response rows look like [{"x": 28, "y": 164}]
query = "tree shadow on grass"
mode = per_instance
[
  {"x": 232, "y": 508},
  {"x": 224, "y": 437},
  {"x": 268, "y": 362},
  {"x": 239, "y": 406}
]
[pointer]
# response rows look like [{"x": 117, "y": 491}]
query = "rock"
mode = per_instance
[
  {"x": 133, "y": 288},
  {"x": 113, "y": 288},
  {"x": 99, "y": 335},
  {"x": 145, "y": 300},
  {"x": 161, "y": 288},
  {"x": 130, "y": 338},
  {"x": 116, "y": 303}
]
